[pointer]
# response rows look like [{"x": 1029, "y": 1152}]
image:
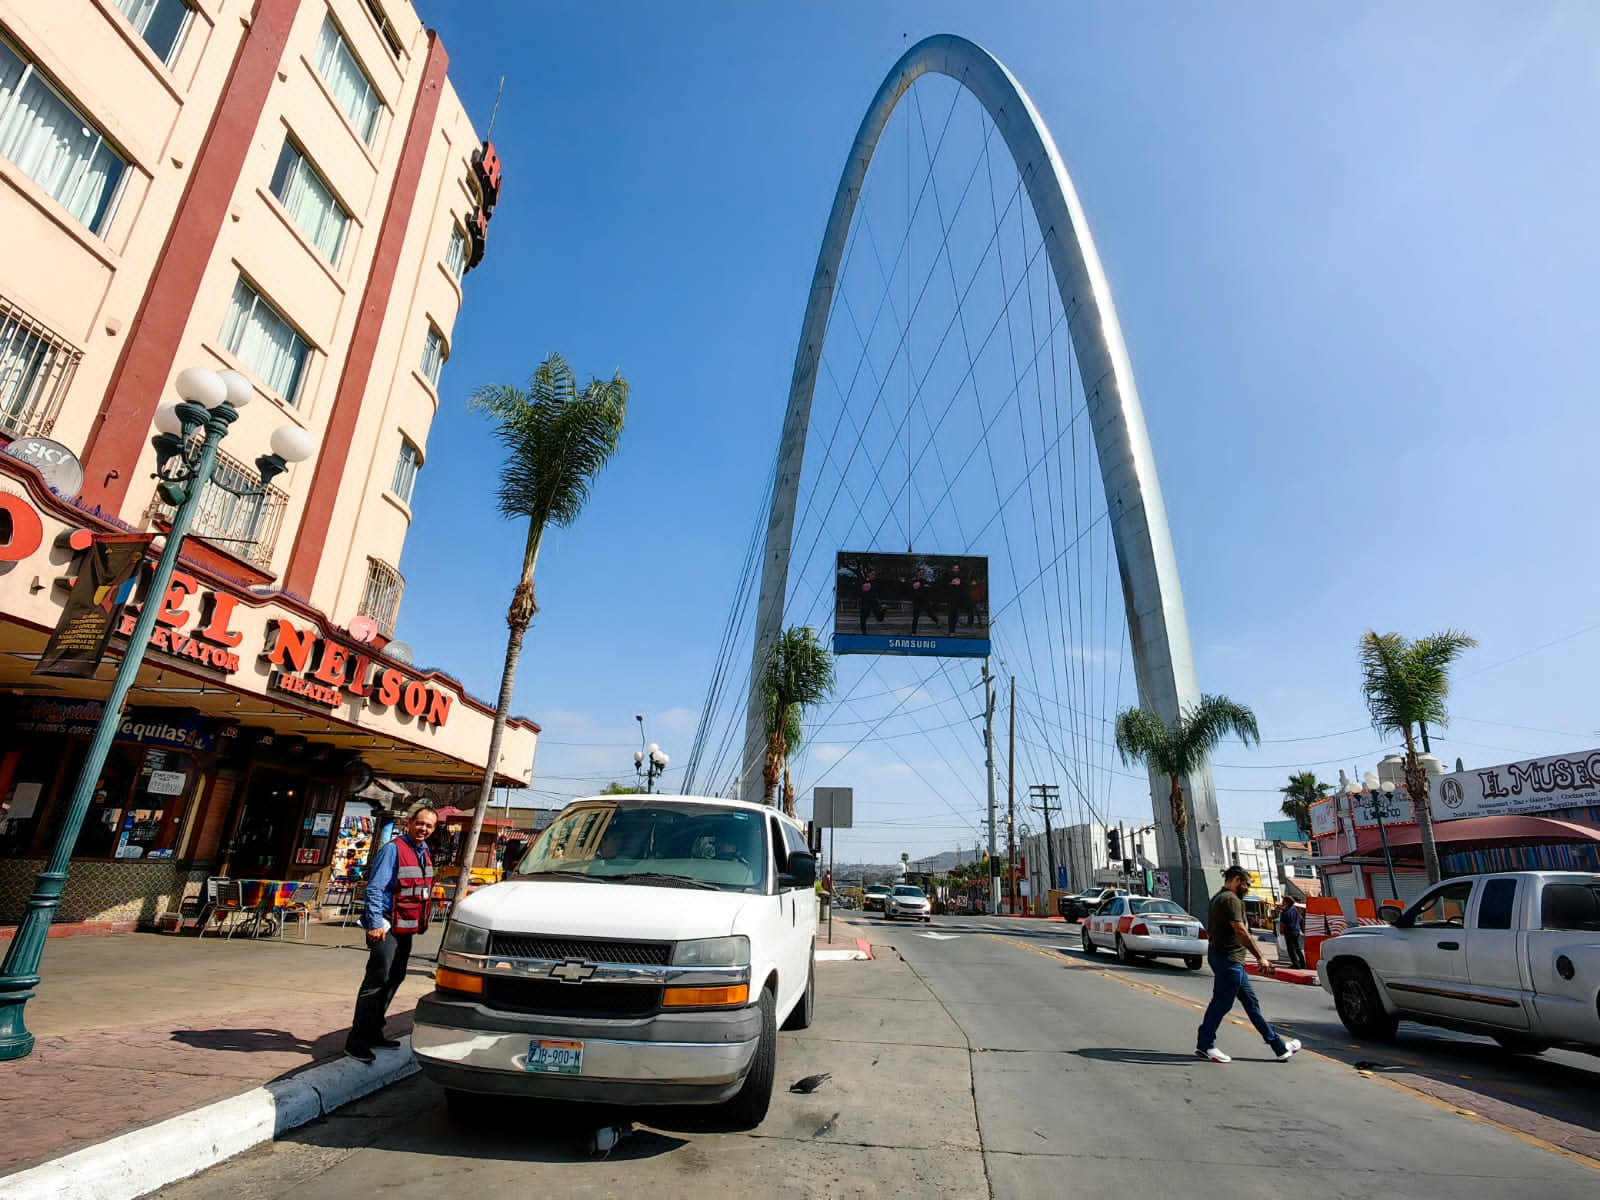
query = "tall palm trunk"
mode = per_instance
[
  {"x": 1180, "y": 826},
  {"x": 1422, "y": 805},
  {"x": 518, "y": 617},
  {"x": 772, "y": 770}
]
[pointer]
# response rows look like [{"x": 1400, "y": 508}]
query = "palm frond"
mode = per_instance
[
  {"x": 1405, "y": 682},
  {"x": 1143, "y": 737},
  {"x": 1204, "y": 726}
]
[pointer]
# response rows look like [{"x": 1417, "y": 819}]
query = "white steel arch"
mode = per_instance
[{"x": 1159, "y": 631}]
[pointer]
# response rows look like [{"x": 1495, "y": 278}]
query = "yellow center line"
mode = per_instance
[{"x": 1154, "y": 989}]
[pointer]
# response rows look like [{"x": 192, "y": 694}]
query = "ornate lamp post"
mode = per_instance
[
  {"x": 186, "y": 452},
  {"x": 649, "y": 763}
]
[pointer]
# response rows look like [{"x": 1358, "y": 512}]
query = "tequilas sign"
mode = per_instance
[{"x": 1531, "y": 786}]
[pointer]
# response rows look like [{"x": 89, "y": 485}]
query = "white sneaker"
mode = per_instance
[
  {"x": 1289, "y": 1048},
  {"x": 1217, "y": 1056}
]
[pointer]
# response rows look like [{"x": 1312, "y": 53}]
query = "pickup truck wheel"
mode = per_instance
[
  {"x": 1355, "y": 996},
  {"x": 1088, "y": 942},
  {"x": 749, "y": 1106},
  {"x": 800, "y": 1017},
  {"x": 1514, "y": 1043}
]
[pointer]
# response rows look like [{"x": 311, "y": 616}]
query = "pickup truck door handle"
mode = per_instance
[{"x": 1449, "y": 945}]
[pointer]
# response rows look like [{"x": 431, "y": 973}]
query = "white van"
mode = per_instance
[{"x": 645, "y": 951}]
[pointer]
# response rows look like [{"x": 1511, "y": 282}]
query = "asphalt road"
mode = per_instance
[{"x": 993, "y": 1058}]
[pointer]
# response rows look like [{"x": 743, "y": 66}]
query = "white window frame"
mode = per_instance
[
  {"x": 141, "y": 23},
  {"x": 435, "y": 353},
  {"x": 455, "y": 254},
  {"x": 9, "y": 104},
  {"x": 329, "y": 48},
  {"x": 301, "y": 170},
  {"x": 406, "y": 466},
  {"x": 235, "y": 344}
]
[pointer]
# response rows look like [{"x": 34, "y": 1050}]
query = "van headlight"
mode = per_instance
[
  {"x": 465, "y": 939},
  {"x": 731, "y": 951}
]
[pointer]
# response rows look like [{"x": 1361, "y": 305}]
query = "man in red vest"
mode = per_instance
[{"x": 399, "y": 892}]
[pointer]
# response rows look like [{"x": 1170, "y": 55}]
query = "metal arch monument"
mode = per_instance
[{"x": 1159, "y": 632}]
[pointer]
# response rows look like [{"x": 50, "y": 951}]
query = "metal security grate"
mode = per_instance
[
  {"x": 557, "y": 999},
  {"x": 36, "y": 368},
  {"x": 632, "y": 954},
  {"x": 246, "y": 526},
  {"x": 380, "y": 599}
]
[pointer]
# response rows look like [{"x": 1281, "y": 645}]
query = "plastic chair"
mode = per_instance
[
  {"x": 356, "y": 901},
  {"x": 208, "y": 906},
  {"x": 228, "y": 903},
  {"x": 299, "y": 908}
]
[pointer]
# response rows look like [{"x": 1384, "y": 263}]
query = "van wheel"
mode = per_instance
[
  {"x": 1355, "y": 996},
  {"x": 1513, "y": 1043},
  {"x": 749, "y": 1107},
  {"x": 800, "y": 1016},
  {"x": 1088, "y": 942}
]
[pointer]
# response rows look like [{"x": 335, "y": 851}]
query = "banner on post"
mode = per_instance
[{"x": 79, "y": 640}]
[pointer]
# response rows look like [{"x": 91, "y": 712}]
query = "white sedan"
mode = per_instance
[
  {"x": 1139, "y": 927},
  {"x": 907, "y": 901}
]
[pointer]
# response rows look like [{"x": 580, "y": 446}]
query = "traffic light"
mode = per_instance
[
  {"x": 1127, "y": 866},
  {"x": 1113, "y": 844}
]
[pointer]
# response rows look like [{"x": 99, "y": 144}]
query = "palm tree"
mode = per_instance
[
  {"x": 556, "y": 439},
  {"x": 1304, "y": 790},
  {"x": 799, "y": 674},
  {"x": 1405, "y": 685},
  {"x": 1182, "y": 749}
]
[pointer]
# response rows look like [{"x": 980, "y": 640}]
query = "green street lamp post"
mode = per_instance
[{"x": 186, "y": 452}]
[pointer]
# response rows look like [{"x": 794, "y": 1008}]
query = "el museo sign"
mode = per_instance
[
  {"x": 309, "y": 665},
  {"x": 1530, "y": 786}
]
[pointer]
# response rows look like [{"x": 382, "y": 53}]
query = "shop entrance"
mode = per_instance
[{"x": 268, "y": 819}]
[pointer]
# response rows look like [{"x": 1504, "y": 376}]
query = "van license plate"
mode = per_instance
[{"x": 555, "y": 1058}]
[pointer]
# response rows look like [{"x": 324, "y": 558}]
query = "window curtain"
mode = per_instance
[
  {"x": 264, "y": 342},
  {"x": 50, "y": 143},
  {"x": 345, "y": 79},
  {"x": 309, "y": 202},
  {"x": 159, "y": 22}
]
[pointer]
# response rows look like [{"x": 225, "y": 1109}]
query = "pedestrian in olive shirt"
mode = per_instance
[{"x": 1228, "y": 939}]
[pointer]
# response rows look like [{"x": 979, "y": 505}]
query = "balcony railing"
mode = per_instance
[
  {"x": 246, "y": 526},
  {"x": 380, "y": 600},
  {"x": 36, "y": 367}
]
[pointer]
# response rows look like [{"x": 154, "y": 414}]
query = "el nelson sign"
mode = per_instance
[{"x": 308, "y": 665}]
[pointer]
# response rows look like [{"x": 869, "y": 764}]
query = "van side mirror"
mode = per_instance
[{"x": 802, "y": 872}]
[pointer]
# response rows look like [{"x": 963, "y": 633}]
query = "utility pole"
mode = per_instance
[
  {"x": 1011, "y": 800},
  {"x": 988, "y": 763},
  {"x": 1045, "y": 793}
]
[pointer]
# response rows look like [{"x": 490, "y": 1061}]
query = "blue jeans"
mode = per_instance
[{"x": 1232, "y": 983}]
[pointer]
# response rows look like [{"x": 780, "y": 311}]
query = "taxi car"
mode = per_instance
[{"x": 1140, "y": 927}]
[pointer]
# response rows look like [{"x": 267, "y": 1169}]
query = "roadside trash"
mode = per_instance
[
  {"x": 809, "y": 1084},
  {"x": 1368, "y": 1067},
  {"x": 604, "y": 1140}
]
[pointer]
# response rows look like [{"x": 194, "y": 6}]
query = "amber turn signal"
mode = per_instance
[
  {"x": 458, "y": 981},
  {"x": 705, "y": 997}
]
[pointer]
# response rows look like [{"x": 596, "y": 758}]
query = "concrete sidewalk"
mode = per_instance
[{"x": 135, "y": 1028}]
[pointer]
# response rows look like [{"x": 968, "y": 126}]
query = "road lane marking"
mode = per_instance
[
  {"x": 940, "y": 937},
  {"x": 1058, "y": 954}
]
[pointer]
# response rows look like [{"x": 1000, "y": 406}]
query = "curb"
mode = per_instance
[
  {"x": 864, "y": 946},
  {"x": 143, "y": 1160}
]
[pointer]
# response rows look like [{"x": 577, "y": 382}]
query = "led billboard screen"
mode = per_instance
[{"x": 935, "y": 605}]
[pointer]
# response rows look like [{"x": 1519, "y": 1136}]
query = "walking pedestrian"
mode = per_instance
[
  {"x": 399, "y": 892},
  {"x": 1292, "y": 931},
  {"x": 1228, "y": 941}
]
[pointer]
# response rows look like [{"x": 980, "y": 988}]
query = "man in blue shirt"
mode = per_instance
[
  {"x": 1294, "y": 943},
  {"x": 399, "y": 892}
]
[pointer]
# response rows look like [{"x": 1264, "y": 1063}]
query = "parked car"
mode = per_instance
[
  {"x": 872, "y": 899},
  {"x": 1076, "y": 908},
  {"x": 1141, "y": 927},
  {"x": 645, "y": 951},
  {"x": 1514, "y": 956},
  {"x": 908, "y": 901}
]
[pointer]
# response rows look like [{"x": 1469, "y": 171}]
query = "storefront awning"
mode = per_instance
[{"x": 1480, "y": 833}]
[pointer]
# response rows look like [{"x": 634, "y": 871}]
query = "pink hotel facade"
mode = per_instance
[{"x": 290, "y": 189}]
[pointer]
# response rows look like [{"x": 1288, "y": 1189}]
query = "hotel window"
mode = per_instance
[
  {"x": 433, "y": 357},
  {"x": 161, "y": 23},
  {"x": 51, "y": 142},
  {"x": 259, "y": 337},
  {"x": 455, "y": 256},
  {"x": 381, "y": 18},
  {"x": 380, "y": 600},
  {"x": 36, "y": 368},
  {"x": 337, "y": 65},
  {"x": 405, "y": 470},
  {"x": 310, "y": 202}
]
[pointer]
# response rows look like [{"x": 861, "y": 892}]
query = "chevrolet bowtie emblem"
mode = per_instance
[{"x": 574, "y": 970}]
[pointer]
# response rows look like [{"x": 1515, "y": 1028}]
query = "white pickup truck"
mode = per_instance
[
  {"x": 646, "y": 950},
  {"x": 1513, "y": 955}
]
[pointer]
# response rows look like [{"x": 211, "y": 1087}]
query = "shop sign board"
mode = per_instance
[
  {"x": 78, "y": 642},
  {"x": 923, "y": 605},
  {"x": 56, "y": 463},
  {"x": 1366, "y": 807},
  {"x": 166, "y": 783},
  {"x": 1324, "y": 818},
  {"x": 146, "y": 726},
  {"x": 1533, "y": 785}
]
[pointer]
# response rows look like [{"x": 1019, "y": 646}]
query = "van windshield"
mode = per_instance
[{"x": 648, "y": 839}]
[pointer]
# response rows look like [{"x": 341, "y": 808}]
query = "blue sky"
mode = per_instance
[{"x": 1352, "y": 248}]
